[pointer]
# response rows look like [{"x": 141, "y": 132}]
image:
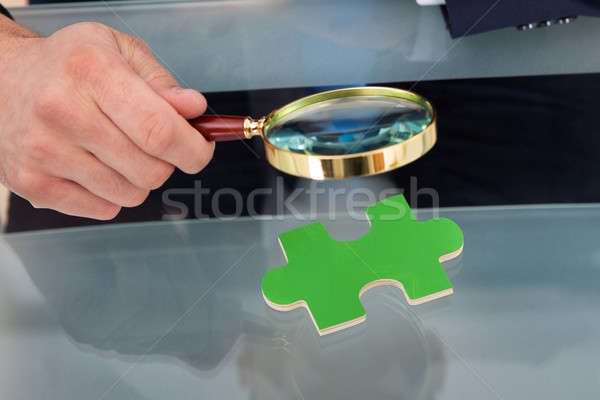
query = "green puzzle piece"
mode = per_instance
[{"x": 327, "y": 276}]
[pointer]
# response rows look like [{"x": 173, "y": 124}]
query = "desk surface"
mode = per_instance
[{"x": 173, "y": 310}]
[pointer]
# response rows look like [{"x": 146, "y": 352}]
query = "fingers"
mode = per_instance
[
  {"x": 64, "y": 196},
  {"x": 81, "y": 167},
  {"x": 103, "y": 123},
  {"x": 188, "y": 102},
  {"x": 96, "y": 134},
  {"x": 149, "y": 121},
  {"x": 117, "y": 151}
]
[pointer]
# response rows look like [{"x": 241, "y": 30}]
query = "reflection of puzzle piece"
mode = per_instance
[{"x": 327, "y": 276}]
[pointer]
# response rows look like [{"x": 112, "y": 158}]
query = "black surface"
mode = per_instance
[
  {"x": 520, "y": 140},
  {"x": 475, "y": 16}
]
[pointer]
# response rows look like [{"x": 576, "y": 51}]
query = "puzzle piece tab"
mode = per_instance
[{"x": 328, "y": 277}]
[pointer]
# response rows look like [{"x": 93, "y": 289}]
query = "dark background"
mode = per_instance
[{"x": 518, "y": 140}]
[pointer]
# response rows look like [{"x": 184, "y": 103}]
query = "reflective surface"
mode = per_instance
[
  {"x": 349, "y": 125},
  {"x": 232, "y": 45},
  {"x": 174, "y": 311}
]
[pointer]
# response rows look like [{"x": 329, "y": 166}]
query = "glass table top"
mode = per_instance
[
  {"x": 174, "y": 310},
  {"x": 230, "y": 45}
]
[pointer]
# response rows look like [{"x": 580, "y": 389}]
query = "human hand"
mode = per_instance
[{"x": 90, "y": 122}]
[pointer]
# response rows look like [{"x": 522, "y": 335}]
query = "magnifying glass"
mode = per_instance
[{"x": 337, "y": 134}]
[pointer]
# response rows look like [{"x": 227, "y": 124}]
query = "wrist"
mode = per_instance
[
  {"x": 10, "y": 29},
  {"x": 12, "y": 37}
]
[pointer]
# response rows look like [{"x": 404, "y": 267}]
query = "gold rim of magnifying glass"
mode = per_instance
[{"x": 350, "y": 165}]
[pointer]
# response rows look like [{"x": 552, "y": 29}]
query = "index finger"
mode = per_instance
[{"x": 149, "y": 120}]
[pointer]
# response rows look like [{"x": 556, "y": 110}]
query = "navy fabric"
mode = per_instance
[
  {"x": 466, "y": 17},
  {"x": 5, "y": 12}
]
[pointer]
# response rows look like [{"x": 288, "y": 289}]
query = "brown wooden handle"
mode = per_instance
[{"x": 220, "y": 127}]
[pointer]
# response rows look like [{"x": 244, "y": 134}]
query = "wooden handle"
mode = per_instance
[{"x": 220, "y": 127}]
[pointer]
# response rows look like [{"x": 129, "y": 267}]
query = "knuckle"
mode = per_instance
[
  {"x": 158, "y": 75},
  {"x": 139, "y": 45},
  {"x": 156, "y": 133},
  {"x": 51, "y": 103},
  {"x": 26, "y": 180},
  {"x": 157, "y": 177},
  {"x": 33, "y": 187},
  {"x": 92, "y": 28},
  {"x": 122, "y": 193},
  {"x": 89, "y": 66},
  {"x": 106, "y": 213},
  {"x": 130, "y": 196},
  {"x": 130, "y": 46},
  {"x": 84, "y": 61},
  {"x": 36, "y": 148},
  {"x": 137, "y": 197},
  {"x": 203, "y": 159}
]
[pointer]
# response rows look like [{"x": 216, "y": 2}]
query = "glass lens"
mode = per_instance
[{"x": 349, "y": 125}]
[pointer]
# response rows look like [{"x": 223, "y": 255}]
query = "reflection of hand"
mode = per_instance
[{"x": 90, "y": 120}]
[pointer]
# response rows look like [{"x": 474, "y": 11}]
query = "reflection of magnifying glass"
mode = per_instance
[{"x": 337, "y": 134}]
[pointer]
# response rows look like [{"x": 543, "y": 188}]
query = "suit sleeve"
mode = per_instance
[
  {"x": 466, "y": 17},
  {"x": 5, "y": 12}
]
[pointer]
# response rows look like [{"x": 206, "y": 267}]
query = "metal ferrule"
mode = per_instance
[{"x": 253, "y": 127}]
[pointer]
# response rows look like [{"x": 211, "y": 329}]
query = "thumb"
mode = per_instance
[{"x": 189, "y": 103}]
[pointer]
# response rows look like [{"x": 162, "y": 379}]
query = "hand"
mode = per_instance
[{"x": 90, "y": 122}]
